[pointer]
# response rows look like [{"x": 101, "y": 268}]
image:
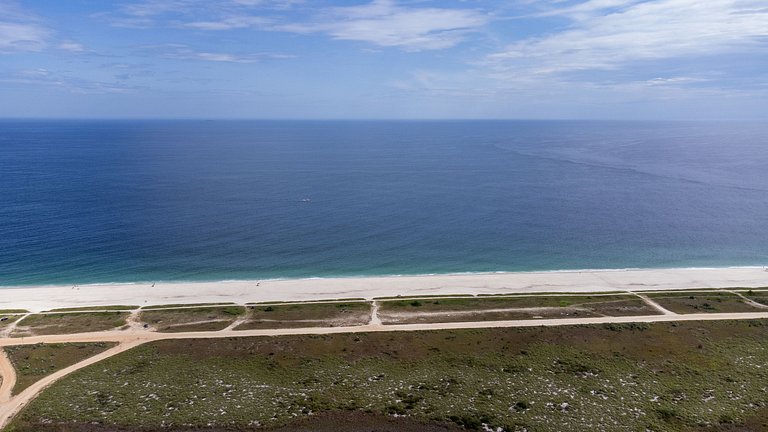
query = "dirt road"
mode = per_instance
[
  {"x": 8, "y": 374},
  {"x": 134, "y": 337}
]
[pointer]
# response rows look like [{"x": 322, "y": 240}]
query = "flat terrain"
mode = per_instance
[
  {"x": 702, "y": 302},
  {"x": 509, "y": 308},
  {"x": 191, "y": 319},
  {"x": 65, "y": 338},
  {"x": 614, "y": 377},
  {"x": 9, "y": 319},
  {"x": 33, "y": 362},
  {"x": 306, "y": 315},
  {"x": 62, "y": 323},
  {"x": 241, "y": 292}
]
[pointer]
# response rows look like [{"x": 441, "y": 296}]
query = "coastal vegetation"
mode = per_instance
[
  {"x": 33, "y": 362},
  {"x": 452, "y": 309},
  {"x": 96, "y": 308},
  {"x": 702, "y": 302},
  {"x": 306, "y": 315},
  {"x": 207, "y": 318},
  {"x": 66, "y": 322},
  {"x": 613, "y": 377}
]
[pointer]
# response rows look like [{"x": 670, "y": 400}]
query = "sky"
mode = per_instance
[{"x": 384, "y": 59}]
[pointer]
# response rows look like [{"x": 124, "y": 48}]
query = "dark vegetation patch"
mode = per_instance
[
  {"x": 334, "y": 421},
  {"x": 618, "y": 377},
  {"x": 33, "y": 362}
]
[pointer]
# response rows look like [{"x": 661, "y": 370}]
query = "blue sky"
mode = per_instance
[{"x": 594, "y": 59}]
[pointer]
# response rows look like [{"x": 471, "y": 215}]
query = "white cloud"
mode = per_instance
[
  {"x": 228, "y": 57},
  {"x": 21, "y": 31},
  {"x": 381, "y": 22},
  {"x": 218, "y": 15},
  {"x": 18, "y": 36},
  {"x": 229, "y": 23},
  {"x": 641, "y": 31},
  {"x": 71, "y": 46},
  {"x": 385, "y": 23},
  {"x": 184, "y": 52}
]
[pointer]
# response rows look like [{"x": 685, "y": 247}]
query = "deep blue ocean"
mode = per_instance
[{"x": 122, "y": 201}]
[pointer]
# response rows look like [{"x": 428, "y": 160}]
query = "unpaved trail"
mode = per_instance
[
  {"x": 748, "y": 300},
  {"x": 647, "y": 300},
  {"x": 240, "y": 320},
  {"x": 375, "y": 320},
  {"x": 10, "y": 328},
  {"x": 10, "y": 408},
  {"x": 131, "y": 339},
  {"x": 8, "y": 374}
]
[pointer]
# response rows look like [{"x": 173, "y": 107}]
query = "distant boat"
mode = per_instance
[{"x": 306, "y": 200}]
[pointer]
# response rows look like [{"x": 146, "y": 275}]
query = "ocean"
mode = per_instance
[{"x": 127, "y": 201}]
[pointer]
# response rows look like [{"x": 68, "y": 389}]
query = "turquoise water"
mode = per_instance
[{"x": 121, "y": 201}]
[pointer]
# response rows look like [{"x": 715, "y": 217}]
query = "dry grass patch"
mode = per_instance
[
  {"x": 297, "y": 315},
  {"x": 68, "y": 323},
  {"x": 96, "y": 308},
  {"x": 509, "y": 308},
  {"x": 702, "y": 302},
  {"x": 6, "y": 320},
  {"x": 212, "y": 318}
]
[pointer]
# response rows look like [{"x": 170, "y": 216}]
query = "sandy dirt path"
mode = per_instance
[
  {"x": 132, "y": 338},
  {"x": 647, "y": 300},
  {"x": 8, "y": 374},
  {"x": 10, "y": 408}
]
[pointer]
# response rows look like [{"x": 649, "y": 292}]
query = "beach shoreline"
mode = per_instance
[{"x": 38, "y": 298}]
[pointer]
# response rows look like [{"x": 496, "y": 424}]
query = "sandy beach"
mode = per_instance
[{"x": 49, "y": 297}]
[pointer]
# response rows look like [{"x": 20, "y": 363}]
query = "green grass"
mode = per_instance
[
  {"x": 33, "y": 362},
  {"x": 661, "y": 377},
  {"x": 96, "y": 308},
  {"x": 13, "y": 311},
  {"x": 192, "y": 319},
  {"x": 67, "y": 323}
]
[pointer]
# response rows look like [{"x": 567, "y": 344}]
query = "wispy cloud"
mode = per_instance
[
  {"x": 41, "y": 77},
  {"x": 383, "y": 23},
  {"x": 197, "y": 14},
  {"x": 386, "y": 23},
  {"x": 20, "y": 31},
  {"x": 607, "y": 34},
  {"x": 229, "y": 23},
  {"x": 184, "y": 52}
]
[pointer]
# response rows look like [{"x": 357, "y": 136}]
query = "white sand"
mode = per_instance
[{"x": 49, "y": 297}]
